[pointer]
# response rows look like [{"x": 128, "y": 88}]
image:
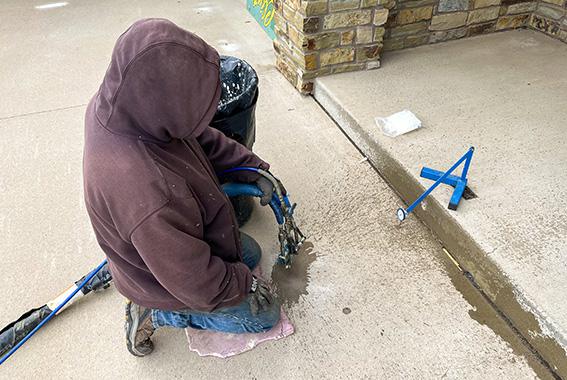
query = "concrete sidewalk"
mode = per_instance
[
  {"x": 505, "y": 94},
  {"x": 371, "y": 300}
]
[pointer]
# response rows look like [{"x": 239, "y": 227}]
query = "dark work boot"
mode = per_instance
[{"x": 139, "y": 329}]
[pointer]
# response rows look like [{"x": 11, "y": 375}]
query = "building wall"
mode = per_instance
[
  {"x": 550, "y": 17},
  {"x": 321, "y": 37},
  {"x": 412, "y": 23},
  {"x": 418, "y": 22}
]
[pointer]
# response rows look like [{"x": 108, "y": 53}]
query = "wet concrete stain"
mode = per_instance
[
  {"x": 290, "y": 284},
  {"x": 484, "y": 313}
]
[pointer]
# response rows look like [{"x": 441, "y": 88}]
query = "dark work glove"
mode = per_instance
[
  {"x": 260, "y": 296},
  {"x": 267, "y": 188}
]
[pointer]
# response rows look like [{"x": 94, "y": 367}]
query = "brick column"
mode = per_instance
[{"x": 322, "y": 37}]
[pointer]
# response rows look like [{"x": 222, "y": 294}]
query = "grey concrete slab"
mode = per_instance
[
  {"x": 505, "y": 94},
  {"x": 52, "y": 60},
  {"x": 407, "y": 318},
  {"x": 413, "y": 314}
]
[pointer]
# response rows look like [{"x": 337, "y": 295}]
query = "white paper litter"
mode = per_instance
[{"x": 399, "y": 123}]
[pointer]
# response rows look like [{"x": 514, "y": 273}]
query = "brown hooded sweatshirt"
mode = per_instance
[{"x": 150, "y": 159}]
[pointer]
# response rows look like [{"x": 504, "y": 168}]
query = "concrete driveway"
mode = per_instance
[{"x": 412, "y": 313}]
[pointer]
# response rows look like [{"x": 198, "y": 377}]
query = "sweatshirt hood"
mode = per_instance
[{"x": 163, "y": 82}]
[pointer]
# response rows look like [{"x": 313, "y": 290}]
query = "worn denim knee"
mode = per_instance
[
  {"x": 251, "y": 251},
  {"x": 235, "y": 319}
]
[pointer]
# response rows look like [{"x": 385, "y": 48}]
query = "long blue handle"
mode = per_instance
[{"x": 53, "y": 313}]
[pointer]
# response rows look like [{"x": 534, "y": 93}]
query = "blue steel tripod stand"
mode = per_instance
[{"x": 458, "y": 182}]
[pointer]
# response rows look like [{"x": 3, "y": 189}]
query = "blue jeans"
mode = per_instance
[{"x": 235, "y": 319}]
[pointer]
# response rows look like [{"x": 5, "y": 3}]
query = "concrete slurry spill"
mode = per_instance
[{"x": 290, "y": 284}]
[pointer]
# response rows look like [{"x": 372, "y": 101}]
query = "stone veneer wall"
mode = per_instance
[
  {"x": 418, "y": 22},
  {"x": 550, "y": 17},
  {"x": 321, "y": 37}
]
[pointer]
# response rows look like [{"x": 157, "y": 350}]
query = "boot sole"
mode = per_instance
[{"x": 130, "y": 328}]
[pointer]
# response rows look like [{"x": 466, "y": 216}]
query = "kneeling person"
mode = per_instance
[{"x": 153, "y": 196}]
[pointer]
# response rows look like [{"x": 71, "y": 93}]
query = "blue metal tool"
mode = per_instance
[
  {"x": 68, "y": 297},
  {"x": 459, "y": 183}
]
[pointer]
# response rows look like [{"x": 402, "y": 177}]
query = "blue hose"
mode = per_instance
[
  {"x": 52, "y": 314},
  {"x": 234, "y": 189},
  {"x": 241, "y": 168},
  {"x": 287, "y": 203}
]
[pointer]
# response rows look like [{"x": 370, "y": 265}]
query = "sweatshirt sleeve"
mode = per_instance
[
  {"x": 225, "y": 153},
  {"x": 182, "y": 262}
]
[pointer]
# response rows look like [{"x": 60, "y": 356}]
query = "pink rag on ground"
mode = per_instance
[{"x": 223, "y": 345}]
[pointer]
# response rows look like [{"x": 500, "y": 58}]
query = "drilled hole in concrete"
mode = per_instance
[{"x": 469, "y": 194}]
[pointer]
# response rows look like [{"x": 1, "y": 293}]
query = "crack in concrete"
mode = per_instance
[
  {"x": 41, "y": 112},
  {"x": 489, "y": 314}
]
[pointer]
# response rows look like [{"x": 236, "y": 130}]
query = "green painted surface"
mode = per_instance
[{"x": 263, "y": 11}]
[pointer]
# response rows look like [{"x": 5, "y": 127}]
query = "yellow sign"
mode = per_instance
[{"x": 263, "y": 11}]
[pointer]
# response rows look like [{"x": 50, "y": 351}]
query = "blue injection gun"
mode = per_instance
[{"x": 289, "y": 235}]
